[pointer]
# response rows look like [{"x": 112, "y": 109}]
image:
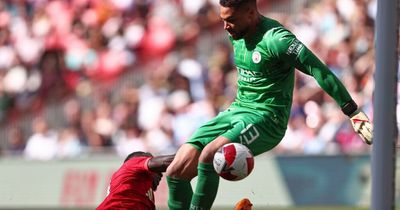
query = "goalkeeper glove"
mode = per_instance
[
  {"x": 359, "y": 121},
  {"x": 362, "y": 126},
  {"x": 243, "y": 204}
]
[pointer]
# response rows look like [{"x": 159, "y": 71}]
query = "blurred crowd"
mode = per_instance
[{"x": 117, "y": 76}]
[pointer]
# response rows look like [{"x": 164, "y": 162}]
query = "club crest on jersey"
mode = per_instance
[{"x": 256, "y": 57}]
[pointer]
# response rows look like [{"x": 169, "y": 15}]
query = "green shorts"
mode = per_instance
[{"x": 259, "y": 131}]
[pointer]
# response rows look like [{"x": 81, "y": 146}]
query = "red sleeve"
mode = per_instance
[{"x": 137, "y": 163}]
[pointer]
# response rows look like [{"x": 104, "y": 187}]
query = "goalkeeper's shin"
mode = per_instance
[
  {"x": 180, "y": 194},
  {"x": 206, "y": 187}
]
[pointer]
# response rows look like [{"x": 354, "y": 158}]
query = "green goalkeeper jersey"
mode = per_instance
[{"x": 266, "y": 64}]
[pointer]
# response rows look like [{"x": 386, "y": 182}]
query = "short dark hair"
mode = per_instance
[
  {"x": 138, "y": 154},
  {"x": 236, "y": 3}
]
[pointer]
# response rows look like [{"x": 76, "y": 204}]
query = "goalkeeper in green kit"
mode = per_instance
[{"x": 266, "y": 56}]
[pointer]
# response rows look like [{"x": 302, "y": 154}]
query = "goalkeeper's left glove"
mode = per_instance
[
  {"x": 362, "y": 126},
  {"x": 359, "y": 121},
  {"x": 243, "y": 204}
]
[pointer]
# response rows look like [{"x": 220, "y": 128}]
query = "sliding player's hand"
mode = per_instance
[{"x": 362, "y": 126}]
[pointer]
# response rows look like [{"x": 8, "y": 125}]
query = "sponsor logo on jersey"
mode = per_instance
[
  {"x": 295, "y": 47},
  {"x": 256, "y": 57},
  {"x": 247, "y": 75}
]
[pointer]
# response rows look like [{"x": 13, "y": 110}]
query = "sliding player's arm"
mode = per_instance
[{"x": 160, "y": 164}]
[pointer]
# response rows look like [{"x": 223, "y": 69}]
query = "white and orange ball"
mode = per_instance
[{"x": 233, "y": 161}]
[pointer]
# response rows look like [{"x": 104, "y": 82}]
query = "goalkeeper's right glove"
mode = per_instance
[
  {"x": 359, "y": 121},
  {"x": 362, "y": 126}
]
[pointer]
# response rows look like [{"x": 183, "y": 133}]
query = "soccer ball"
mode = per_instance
[{"x": 233, "y": 161}]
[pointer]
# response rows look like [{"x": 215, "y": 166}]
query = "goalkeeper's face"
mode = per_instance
[{"x": 237, "y": 21}]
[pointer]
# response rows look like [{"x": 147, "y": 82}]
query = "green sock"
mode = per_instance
[
  {"x": 206, "y": 188},
  {"x": 180, "y": 194}
]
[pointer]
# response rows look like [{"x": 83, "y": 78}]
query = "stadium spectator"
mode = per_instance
[
  {"x": 129, "y": 138},
  {"x": 16, "y": 142},
  {"x": 90, "y": 137},
  {"x": 68, "y": 143},
  {"x": 42, "y": 144}
]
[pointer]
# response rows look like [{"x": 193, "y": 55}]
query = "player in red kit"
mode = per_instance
[{"x": 132, "y": 186}]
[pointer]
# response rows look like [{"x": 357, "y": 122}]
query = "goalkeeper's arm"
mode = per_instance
[{"x": 309, "y": 64}]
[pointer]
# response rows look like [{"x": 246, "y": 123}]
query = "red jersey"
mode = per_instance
[{"x": 130, "y": 187}]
